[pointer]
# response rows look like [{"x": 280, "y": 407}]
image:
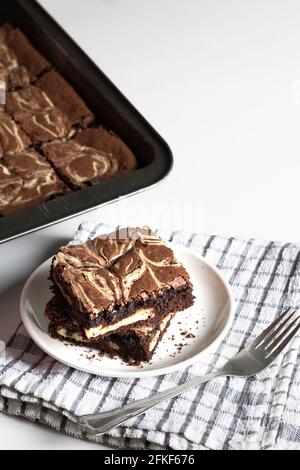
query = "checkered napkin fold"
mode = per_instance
[{"x": 227, "y": 413}]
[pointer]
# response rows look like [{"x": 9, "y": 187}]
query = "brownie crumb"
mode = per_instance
[{"x": 190, "y": 336}]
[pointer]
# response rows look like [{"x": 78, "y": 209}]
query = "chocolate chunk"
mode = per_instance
[{"x": 177, "y": 282}]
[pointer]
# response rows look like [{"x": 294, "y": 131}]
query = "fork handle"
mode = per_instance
[{"x": 101, "y": 423}]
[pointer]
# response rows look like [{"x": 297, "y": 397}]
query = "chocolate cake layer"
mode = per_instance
[
  {"x": 37, "y": 115},
  {"x": 137, "y": 313},
  {"x": 27, "y": 179},
  {"x": 65, "y": 98},
  {"x": 136, "y": 344},
  {"x": 113, "y": 281}
]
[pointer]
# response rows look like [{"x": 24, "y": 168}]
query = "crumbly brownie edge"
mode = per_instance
[
  {"x": 134, "y": 353},
  {"x": 171, "y": 300},
  {"x": 139, "y": 351}
]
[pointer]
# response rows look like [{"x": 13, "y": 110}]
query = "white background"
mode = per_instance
[{"x": 220, "y": 80}]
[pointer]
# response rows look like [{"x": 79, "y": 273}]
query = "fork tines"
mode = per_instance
[{"x": 274, "y": 338}]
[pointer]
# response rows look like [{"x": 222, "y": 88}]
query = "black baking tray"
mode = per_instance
[{"x": 111, "y": 109}]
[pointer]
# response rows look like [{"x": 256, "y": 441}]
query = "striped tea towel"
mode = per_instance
[{"x": 227, "y": 413}]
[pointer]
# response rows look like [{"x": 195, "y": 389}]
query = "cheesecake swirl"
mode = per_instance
[
  {"x": 12, "y": 138},
  {"x": 80, "y": 165},
  {"x": 111, "y": 271},
  {"x": 10, "y": 186},
  {"x": 29, "y": 180},
  {"x": 37, "y": 115}
]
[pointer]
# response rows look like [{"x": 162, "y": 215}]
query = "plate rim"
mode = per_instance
[{"x": 142, "y": 373}]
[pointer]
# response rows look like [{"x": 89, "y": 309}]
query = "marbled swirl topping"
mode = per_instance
[
  {"x": 37, "y": 182},
  {"x": 12, "y": 138},
  {"x": 108, "y": 143},
  {"x": 8, "y": 59},
  {"x": 11, "y": 72},
  {"x": 37, "y": 115},
  {"x": 10, "y": 186},
  {"x": 78, "y": 164},
  {"x": 107, "y": 272}
]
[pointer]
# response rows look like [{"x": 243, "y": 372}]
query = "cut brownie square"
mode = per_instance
[
  {"x": 80, "y": 166},
  {"x": 94, "y": 155},
  {"x": 11, "y": 72},
  {"x": 33, "y": 180},
  {"x": 134, "y": 345},
  {"x": 111, "y": 283},
  {"x": 109, "y": 143},
  {"x": 37, "y": 115},
  {"x": 25, "y": 53},
  {"x": 66, "y": 98},
  {"x": 12, "y": 137},
  {"x": 10, "y": 188}
]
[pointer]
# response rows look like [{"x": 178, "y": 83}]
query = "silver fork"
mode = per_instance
[{"x": 254, "y": 358}]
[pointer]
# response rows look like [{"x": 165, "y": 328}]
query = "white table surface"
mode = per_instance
[{"x": 221, "y": 82}]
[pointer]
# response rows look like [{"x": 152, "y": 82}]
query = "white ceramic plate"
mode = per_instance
[{"x": 208, "y": 320}]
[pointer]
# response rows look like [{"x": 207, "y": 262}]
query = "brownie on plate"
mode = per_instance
[
  {"x": 26, "y": 180},
  {"x": 12, "y": 137},
  {"x": 94, "y": 155},
  {"x": 118, "y": 280},
  {"x": 37, "y": 115},
  {"x": 65, "y": 98},
  {"x": 134, "y": 344}
]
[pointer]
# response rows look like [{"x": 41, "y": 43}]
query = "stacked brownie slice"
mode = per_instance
[
  {"x": 117, "y": 293},
  {"x": 50, "y": 143}
]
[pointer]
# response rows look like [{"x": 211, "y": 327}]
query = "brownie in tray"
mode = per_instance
[
  {"x": 123, "y": 287},
  {"x": 45, "y": 116}
]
